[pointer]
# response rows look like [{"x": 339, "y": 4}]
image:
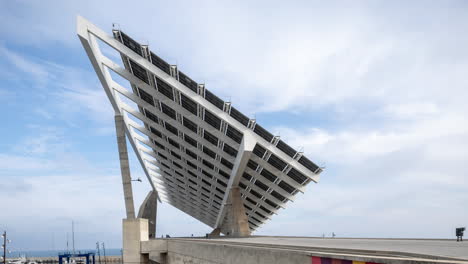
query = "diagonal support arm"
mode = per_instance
[
  {"x": 124, "y": 166},
  {"x": 232, "y": 200}
]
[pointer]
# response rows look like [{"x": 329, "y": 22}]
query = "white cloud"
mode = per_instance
[
  {"x": 412, "y": 110},
  {"x": 383, "y": 180},
  {"x": 28, "y": 67},
  {"x": 71, "y": 92},
  {"x": 23, "y": 163},
  {"x": 46, "y": 140}
]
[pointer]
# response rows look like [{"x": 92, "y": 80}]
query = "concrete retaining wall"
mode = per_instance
[
  {"x": 193, "y": 252},
  {"x": 197, "y": 251}
]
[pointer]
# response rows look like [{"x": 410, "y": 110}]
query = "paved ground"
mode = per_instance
[{"x": 443, "y": 248}]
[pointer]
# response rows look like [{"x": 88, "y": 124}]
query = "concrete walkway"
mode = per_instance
[{"x": 441, "y": 248}]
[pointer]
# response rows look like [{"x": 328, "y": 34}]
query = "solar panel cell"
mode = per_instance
[
  {"x": 255, "y": 219},
  {"x": 256, "y": 194},
  {"x": 185, "y": 80},
  {"x": 164, "y": 88},
  {"x": 190, "y": 140},
  {"x": 177, "y": 165},
  {"x": 160, "y": 63},
  {"x": 191, "y": 165},
  {"x": 173, "y": 143},
  {"x": 151, "y": 116},
  {"x": 259, "y": 130},
  {"x": 156, "y": 132},
  {"x": 234, "y": 134},
  {"x": 252, "y": 164},
  {"x": 264, "y": 209},
  {"x": 159, "y": 145},
  {"x": 189, "y": 104},
  {"x": 237, "y": 115},
  {"x": 286, "y": 148},
  {"x": 131, "y": 44},
  {"x": 227, "y": 163},
  {"x": 270, "y": 176},
  {"x": 308, "y": 163},
  {"x": 209, "y": 152},
  {"x": 272, "y": 204},
  {"x": 191, "y": 154},
  {"x": 171, "y": 129},
  {"x": 190, "y": 125},
  {"x": 278, "y": 196},
  {"x": 206, "y": 182},
  {"x": 252, "y": 224},
  {"x": 177, "y": 156},
  {"x": 259, "y": 151},
  {"x": 285, "y": 186},
  {"x": 212, "y": 120},
  {"x": 297, "y": 176},
  {"x": 207, "y": 174},
  {"x": 192, "y": 174},
  {"x": 221, "y": 182},
  {"x": 162, "y": 156},
  {"x": 259, "y": 214},
  {"x": 139, "y": 72},
  {"x": 261, "y": 185},
  {"x": 277, "y": 162},
  {"x": 215, "y": 100},
  {"x": 247, "y": 176},
  {"x": 168, "y": 111},
  {"x": 210, "y": 138},
  {"x": 251, "y": 201},
  {"x": 230, "y": 150},
  {"x": 224, "y": 174},
  {"x": 146, "y": 97},
  {"x": 208, "y": 164}
]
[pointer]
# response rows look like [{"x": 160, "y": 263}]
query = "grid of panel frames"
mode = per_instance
[{"x": 195, "y": 150}]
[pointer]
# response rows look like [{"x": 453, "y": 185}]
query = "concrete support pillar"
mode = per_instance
[
  {"x": 134, "y": 232},
  {"x": 149, "y": 210},
  {"x": 238, "y": 221},
  {"x": 124, "y": 166},
  {"x": 215, "y": 233}
]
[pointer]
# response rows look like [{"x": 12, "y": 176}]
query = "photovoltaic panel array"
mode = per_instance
[{"x": 189, "y": 140}]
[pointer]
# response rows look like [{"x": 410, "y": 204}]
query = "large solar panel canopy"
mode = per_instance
[{"x": 193, "y": 146}]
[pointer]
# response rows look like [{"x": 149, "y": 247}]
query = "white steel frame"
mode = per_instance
[{"x": 175, "y": 184}]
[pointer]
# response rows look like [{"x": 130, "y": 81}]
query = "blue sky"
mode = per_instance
[{"x": 375, "y": 91}]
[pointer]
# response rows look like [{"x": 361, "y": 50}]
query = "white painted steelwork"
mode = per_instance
[{"x": 194, "y": 147}]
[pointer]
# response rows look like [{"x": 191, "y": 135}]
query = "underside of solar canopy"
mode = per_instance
[{"x": 193, "y": 146}]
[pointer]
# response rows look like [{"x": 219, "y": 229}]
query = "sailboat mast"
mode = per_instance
[{"x": 73, "y": 237}]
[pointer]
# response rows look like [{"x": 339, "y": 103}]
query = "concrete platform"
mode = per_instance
[
  {"x": 302, "y": 250},
  {"x": 439, "y": 249}
]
